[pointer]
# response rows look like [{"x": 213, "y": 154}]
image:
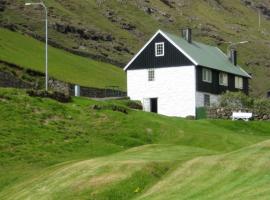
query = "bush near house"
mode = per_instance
[{"x": 237, "y": 101}]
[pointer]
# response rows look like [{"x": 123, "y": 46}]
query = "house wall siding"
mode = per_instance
[
  {"x": 174, "y": 87},
  {"x": 172, "y": 56},
  {"x": 214, "y": 87}
]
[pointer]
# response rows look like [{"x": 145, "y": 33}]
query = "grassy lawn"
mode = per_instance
[
  {"x": 51, "y": 150},
  {"x": 29, "y": 53}
]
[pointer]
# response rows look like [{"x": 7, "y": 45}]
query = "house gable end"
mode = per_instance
[{"x": 147, "y": 58}]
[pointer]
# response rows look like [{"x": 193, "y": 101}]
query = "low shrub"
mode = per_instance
[
  {"x": 112, "y": 107},
  {"x": 236, "y": 100},
  {"x": 134, "y": 105},
  {"x": 190, "y": 117}
]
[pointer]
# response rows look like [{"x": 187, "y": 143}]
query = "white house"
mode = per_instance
[{"x": 173, "y": 75}]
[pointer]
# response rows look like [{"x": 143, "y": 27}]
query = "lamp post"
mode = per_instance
[
  {"x": 46, "y": 40},
  {"x": 234, "y": 44}
]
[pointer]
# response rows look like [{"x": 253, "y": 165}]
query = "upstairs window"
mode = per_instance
[
  {"x": 238, "y": 82},
  {"x": 223, "y": 79},
  {"x": 207, "y": 75},
  {"x": 159, "y": 49},
  {"x": 151, "y": 74}
]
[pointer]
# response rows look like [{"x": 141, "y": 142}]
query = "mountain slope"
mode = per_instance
[
  {"x": 115, "y": 30},
  {"x": 50, "y": 150},
  {"x": 26, "y": 52}
]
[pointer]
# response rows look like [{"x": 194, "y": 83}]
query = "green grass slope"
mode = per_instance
[
  {"x": 129, "y": 24},
  {"x": 51, "y": 150},
  {"x": 26, "y": 52},
  {"x": 243, "y": 174},
  {"x": 94, "y": 177}
]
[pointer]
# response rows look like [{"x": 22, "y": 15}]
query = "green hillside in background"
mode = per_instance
[
  {"x": 51, "y": 150},
  {"x": 114, "y": 30},
  {"x": 27, "y": 52}
]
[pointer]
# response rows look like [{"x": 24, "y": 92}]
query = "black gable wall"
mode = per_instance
[{"x": 172, "y": 57}]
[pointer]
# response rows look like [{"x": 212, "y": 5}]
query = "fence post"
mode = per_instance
[{"x": 77, "y": 91}]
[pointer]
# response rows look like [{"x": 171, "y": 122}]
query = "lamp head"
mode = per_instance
[
  {"x": 244, "y": 42},
  {"x": 28, "y": 4}
]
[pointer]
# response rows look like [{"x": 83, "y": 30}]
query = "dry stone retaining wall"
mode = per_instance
[
  {"x": 9, "y": 79},
  {"x": 226, "y": 113}
]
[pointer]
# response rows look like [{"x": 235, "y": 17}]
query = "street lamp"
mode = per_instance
[
  {"x": 46, "y": 36},
  {"x": 234, "y": 44}
]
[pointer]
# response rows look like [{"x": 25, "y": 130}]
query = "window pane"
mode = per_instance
[
  {"x": 204, "y": 74},
  {"x": 159, "y": 49},
  {"x": 241, "y": 83},
  {"x": 210, "y": 75},
  {"x": 207, "y": 75},
  {"x": 238, "y": 82},
  {"x": 220, "y": 79},
  {"x": 223, "y": 78},
  {"x": 206, "y": 100},
  {"x": 151, "y": 75}
]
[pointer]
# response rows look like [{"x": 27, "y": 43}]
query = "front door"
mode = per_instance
[{"x": 154, "y": 105}]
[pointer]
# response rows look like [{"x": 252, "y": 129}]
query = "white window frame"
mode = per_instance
[
  {"x": 207, "y": 75},
  {"x": 151, "y": 74},
  {"x": 238, "y": 82},
  {"x": 223, "y": 79},
  {"x": 159, "y": 52}
]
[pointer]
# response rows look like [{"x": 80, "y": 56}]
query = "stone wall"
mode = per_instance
[
  {"x": 9, "y": 78},
  {"x": 96, "y": 92},
  {"x": 226, "y": 113}
]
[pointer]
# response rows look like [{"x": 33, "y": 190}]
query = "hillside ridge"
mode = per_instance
[{"x": 115, "y": 30}]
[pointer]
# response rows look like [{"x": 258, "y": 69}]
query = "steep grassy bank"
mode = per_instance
[
  {"x": 51, "y": 150},
  {"x": 242, "y": 174},
  {"x": 26, "y": 52}
]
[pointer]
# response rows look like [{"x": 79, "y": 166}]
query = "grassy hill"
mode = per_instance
[
  {"x": 51, "y": 150},
  {"x": 27, "y": 52},
  {"x": 114, "y": 30}
]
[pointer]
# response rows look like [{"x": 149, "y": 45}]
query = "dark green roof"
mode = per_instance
[{"x": 207, "y": 56}]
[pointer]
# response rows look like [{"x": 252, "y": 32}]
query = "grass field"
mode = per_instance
[
  {"x": 50, "y": 150},
  {"x": 29, "y": 53}
]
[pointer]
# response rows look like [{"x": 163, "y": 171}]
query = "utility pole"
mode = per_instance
[{"x": 259, "y": 13}]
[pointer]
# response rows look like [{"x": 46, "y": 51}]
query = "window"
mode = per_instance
[
  {"x": 206, "y": 100},
  {"x": 223, "y": 79},
  {"x": 151, "y": 74},
  {"x": 207, "y": 75},
  {"x": 159, "y": 49},
  {"x": 238, "y": 82}
]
